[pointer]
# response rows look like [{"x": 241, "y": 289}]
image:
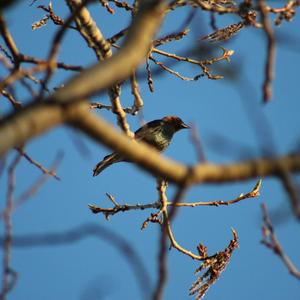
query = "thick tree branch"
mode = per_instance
[{"x": 40, "y": 119}]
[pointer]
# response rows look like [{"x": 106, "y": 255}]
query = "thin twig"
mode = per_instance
[
  {"x": 270, "y": 60},
  {"x": 10, "y": 43},
  {"x": 159, "y": 204},
  {"x": 135, "y": 91},
  {"x": 253, "y": 194},
  {"x": 123, "y": 4},
  {"x": 21, "y": 73},
  {"x": 215, "y": 7},
  {"x": 149, "y": 76},
  {"x": 99, "y": 105},
  {"x": 8, "y": 274},
  {"x": 270, "y": 240},
  {"x": 33, "y": 189},
  {"x": 195, "y": 139},
  {"x": 162, "y": 265},
  {"x": 201, "y": 63},
  {"x": 37, "y": 164},
  {"x": 59, "y": 65},
  {"x": 291, "y": 189},
  {"x": 15, "y": 103},
  {"x": 164, "y": 67},
  {"x": 117, "y": 36},
  {"x": 105, "y": 4},
  {"x": 39, "y": 182},
  {"x": 164, "y": 203},
  {"x": 171, "y": 37},
  {"x": 287, "y": 12},
  {"x": 121, "y": 208}
]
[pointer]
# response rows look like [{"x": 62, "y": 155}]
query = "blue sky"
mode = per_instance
[{"x": 93, "y": 268}]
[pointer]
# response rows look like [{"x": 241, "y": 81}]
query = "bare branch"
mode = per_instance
[
  {"x": 10, "y": 43},
  {"x": 270, "y": 60},
  {"x": 34, "y": 187},
  {"x": 292, "y": 192},
  {"x": 162, "y": 267},
  {"x": 154, "y": 218},
  {"x": 170, "y": 37},
  {"x": 201, "y": 63},
  {"x": 167, "y": 225},
  {"x": 135, "y": 91},
  {"x": 149, "y": 76},
  {"x": 8, "y": 274},
  {"x": 164, "y": 67},
  {"x": 270, "y": 240},
  {"x": 253, "y": 194},
  {"x": 15, "y": 103},
  {"x": 121, "y": 208},
  {"x": 195, "y": 139},
  {"x": 59, "y": 65},
  {"x": 37, "y": 164},
  {"x": 105, "y": 4}
]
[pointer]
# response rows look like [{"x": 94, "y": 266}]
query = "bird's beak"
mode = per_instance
[{"x": 184, "y": 126}]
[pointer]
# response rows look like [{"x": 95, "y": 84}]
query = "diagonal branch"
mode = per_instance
[
  {"x": 9, "y": 39},
  {"x": 37, "y": 164},
  {"x": 102, "y": 48},
  {"x": 270, "y": 240}
]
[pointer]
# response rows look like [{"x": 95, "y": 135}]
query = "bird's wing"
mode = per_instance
[{"x": 147, "y": 130}]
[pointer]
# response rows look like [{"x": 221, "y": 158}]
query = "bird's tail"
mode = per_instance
[{"x": 106, "y": 162}]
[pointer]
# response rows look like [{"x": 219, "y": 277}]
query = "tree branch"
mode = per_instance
[{"x": 270, "y": 241}]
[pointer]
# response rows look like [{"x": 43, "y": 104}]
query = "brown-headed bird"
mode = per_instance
[{"x": 157, "y": 133}]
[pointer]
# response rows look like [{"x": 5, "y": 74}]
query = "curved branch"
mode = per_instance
[{"x": 146, "y": 157}]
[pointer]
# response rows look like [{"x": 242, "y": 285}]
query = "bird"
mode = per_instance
[{"x": 157, "y": 133}]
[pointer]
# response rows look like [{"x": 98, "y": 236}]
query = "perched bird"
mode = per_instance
[{"x": 157, "y": 133}]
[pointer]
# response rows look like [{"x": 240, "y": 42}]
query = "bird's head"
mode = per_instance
[{"x": 176, "y": 122}]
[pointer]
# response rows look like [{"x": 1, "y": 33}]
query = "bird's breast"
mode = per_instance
[{"x": 160, "y": 139}]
